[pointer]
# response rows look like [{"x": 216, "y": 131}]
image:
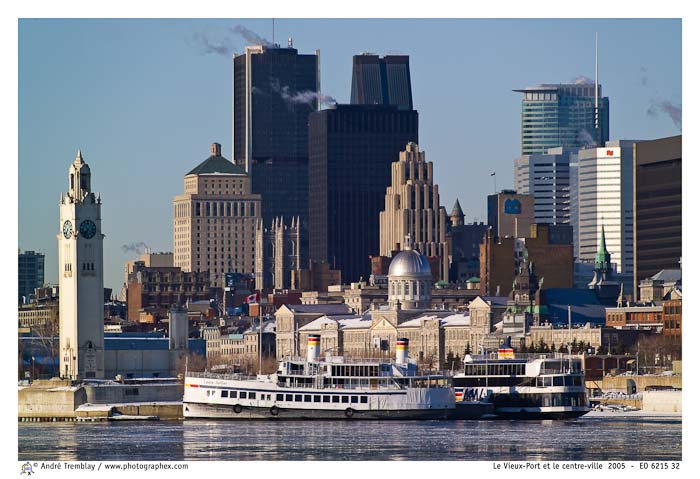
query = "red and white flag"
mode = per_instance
[{"x": 253, "y": 298}]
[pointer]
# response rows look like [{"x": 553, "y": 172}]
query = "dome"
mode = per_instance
[{"x": 409, "y": 263}]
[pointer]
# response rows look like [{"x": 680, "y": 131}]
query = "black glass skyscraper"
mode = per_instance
[
  {"x": 275, "y": 90},
  {"x": 351, "y": 149},
  {"x": 381, "y": 81}
]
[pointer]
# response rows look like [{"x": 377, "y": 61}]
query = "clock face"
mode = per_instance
[
  {"x": 67, "y": 229},
  {"x": 88, "y": 229}
]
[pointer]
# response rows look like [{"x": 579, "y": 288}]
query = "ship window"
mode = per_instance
[
  {"x": 345, "y": 399},
  {"x": 558, "y": 381},
  {"x": 317, "y": 398},
  {"x": 289, "y": 397},
  {"x": 326, "y": 399},
  {"x": 363, "y": 399},
  {"x": 336, "y": 398},
  {"x": 244, "y": 395},
  {"x": 224, "y": 394},
  {"x": 307, "y": 397},
  {"x": 233, "y": 394},
  {"x": 280, "y": 397},
  {"x": 297, "y": 397},
  {"x": 353, "y": 399},
  {"x": 251, "y": 395}
]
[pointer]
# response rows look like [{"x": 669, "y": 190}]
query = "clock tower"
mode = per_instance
[{"x": 81, "y": 284}]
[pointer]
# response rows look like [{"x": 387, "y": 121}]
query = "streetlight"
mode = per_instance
[{"x": 32, "y": 368}]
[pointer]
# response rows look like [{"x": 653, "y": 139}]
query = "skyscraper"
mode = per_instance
[
  {"x": 351, "y": 149},
  {"x": 214, "y": 219},
  {"x": 657, "y": 206},
  {"x": 30, "y": 273},
  {"x": 381, "y": 81},
  {"x": 605, "y": 199},
  {"x": 563, "y": 115},
  {"x": 546, "y": 177},
  {"x": 274, "y": 91},
  {"x": 412, "y": 207}
]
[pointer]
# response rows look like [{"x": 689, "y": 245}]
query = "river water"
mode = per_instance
[{"x": 583, "y": 439}]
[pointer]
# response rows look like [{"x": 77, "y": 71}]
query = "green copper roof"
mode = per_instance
[
  {"x": 217, "y": 164},
  {"x": 602, "y": 258}
]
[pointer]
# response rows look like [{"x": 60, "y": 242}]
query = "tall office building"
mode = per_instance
[
  {"x": 605, "y": 200},
  {"x": 657, "y": 206},
  {"x": 30, "y": 273},
  {"x": 562, "y": 115},
  {"x": 214, "y": 220},
  {"x": 546, "y": 178},
  {"x": 510, "y": 214},
  {"x": 412, "y": 207},
  {"x": 381, "y": 81},
  {"x": 274, "y": 91},
  {"x": 351, "y": 149}
]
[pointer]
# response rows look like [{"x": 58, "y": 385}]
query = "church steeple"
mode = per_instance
[{"x": 602, "y": 258}]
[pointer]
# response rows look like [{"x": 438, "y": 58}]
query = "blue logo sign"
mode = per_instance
[{"x": 512, "y": 207}]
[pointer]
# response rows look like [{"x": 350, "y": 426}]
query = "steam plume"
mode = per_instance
[
  {"x": 582, "y": 80},
  {"x": 134, "y": 247},
  {"x": 303, "y": 97},
  {"x": 250, "y": 36},
  {"x": 586, "y": 138},
  {"x": 665, "y": 106},
  {"x": 206, "y": 45},
  {"x": 658, "y": 105}
]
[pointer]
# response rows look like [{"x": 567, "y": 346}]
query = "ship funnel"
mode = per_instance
[
  {"x": 313, "y": 348},
  {"x": 401, "y": 350}
]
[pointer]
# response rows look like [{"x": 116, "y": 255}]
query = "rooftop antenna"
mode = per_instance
[
  {"x": 273, "y": 42},
  {"x": 597, "y": 125}
]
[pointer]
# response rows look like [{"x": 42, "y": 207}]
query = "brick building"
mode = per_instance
[{"x": 154, "y": 290}]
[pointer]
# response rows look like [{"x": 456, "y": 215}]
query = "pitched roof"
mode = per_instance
[
  {"x": 216, "y": 164},
  {"x": 668, "y": 275},
  {"x": 328, "y": 309}
]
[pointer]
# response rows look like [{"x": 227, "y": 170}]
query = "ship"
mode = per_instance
[
  {"x": 330, "y": 387},
  {"x": 520, "y": 386}
]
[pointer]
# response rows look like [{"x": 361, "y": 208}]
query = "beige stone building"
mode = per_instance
[
  {"x": 34, "y": 315},
  {"x": 214, "y": 220},
  {"x": 412, "y": 207}
]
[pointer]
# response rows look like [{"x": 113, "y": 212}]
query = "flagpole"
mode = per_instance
[{"x": 260, "y": 337}]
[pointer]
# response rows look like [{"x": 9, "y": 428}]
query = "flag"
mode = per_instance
[
  {"x": 493, "y": 174},
  {"x": 253, "y": 298}
]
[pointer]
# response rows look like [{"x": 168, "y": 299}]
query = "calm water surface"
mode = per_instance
[{"x": 585, "y": 438}]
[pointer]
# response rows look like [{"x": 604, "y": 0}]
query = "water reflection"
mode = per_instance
[{"x": 580, "y": 439}]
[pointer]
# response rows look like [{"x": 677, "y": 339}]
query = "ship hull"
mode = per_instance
[{"x": 192, "y": 410}]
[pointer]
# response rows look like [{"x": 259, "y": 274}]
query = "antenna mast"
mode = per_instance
[
  {"x": 273, "y": 36},
  {"x": 597, "y": 125}
]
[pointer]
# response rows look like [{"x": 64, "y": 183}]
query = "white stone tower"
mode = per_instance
[{"x": 81, "y": 283}]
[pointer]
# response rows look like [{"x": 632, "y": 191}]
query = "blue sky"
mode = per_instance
[{"x": 143, "y": 100}]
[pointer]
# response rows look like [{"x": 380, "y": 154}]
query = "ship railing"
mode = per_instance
[
  {"x": 527, "y": 356},
  {"x": 210, "y": 375}
]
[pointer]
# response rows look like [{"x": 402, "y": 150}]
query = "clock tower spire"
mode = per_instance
[{"x": 81, "y": 284}]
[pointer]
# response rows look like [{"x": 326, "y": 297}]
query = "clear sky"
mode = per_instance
[{"x": 143, "y": 99}]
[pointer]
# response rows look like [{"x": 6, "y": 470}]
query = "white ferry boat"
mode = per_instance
[
  {"x": 323, "y": 388},
  {"x": 522, "y": 386}
]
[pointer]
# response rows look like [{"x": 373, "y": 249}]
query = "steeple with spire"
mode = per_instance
[{"x": 605, "y": 287}]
